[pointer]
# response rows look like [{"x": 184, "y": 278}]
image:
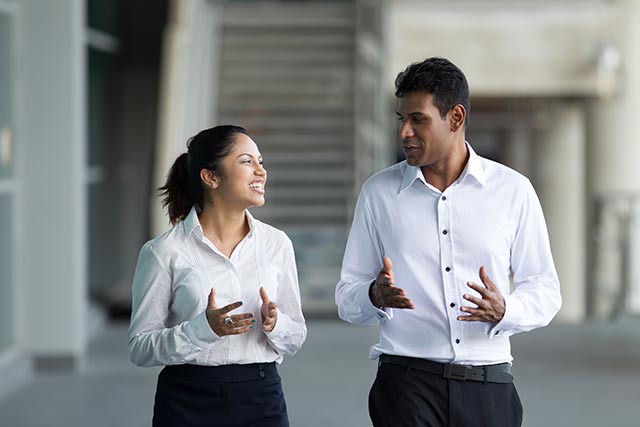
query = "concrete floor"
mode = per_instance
[{"x": 586, "y": 375}]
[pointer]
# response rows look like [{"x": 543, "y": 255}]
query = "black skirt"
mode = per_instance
[{"x": 221, "y": 396}]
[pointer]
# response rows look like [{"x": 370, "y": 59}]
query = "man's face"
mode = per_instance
[{"x": 426, "y": 137}]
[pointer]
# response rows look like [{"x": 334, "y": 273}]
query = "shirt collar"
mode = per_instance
[
  {"x": 473, "y": 168},
  {"x": 191, "y": 223}
]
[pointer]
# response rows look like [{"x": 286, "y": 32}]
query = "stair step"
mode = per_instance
[{"x": 240, "y": 39}]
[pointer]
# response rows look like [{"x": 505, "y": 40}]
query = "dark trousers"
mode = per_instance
[
  {"x": 408, "y": 397},
  {"x": 224, "y": 396}
]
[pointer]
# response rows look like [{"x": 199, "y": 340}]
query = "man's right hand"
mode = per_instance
[
  {"x": 239, "y": 324},
  {"x": 383, "y": 293}
]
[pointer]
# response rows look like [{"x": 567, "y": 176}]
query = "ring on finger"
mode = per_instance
[{"x": 228, "y": 320}]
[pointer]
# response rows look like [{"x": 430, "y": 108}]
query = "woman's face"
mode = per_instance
[{"x": 243, "y": 176}]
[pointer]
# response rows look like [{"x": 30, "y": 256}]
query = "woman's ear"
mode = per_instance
[
  {"x": 209, "y": 178},
  {"x": 457, "y": 116}
]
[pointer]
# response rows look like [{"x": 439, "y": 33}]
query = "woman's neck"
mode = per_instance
[{"x": 225, "y": 228}]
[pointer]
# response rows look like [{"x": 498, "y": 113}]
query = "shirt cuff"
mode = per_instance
[
  {"x": 511, "y": 319},
  {"x": 279, "y": 330},
  {"x": 363, "y": 300},
  {"x": 199, "y": 331}
]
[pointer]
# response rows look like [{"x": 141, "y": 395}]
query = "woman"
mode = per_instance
[{"x": 202, "y": 292}]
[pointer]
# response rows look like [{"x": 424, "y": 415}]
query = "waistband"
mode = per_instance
[
  {"x": 500, "y": 373},
  {"x": 223, "y": 373}
]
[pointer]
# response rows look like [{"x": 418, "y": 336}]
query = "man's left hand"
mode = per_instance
[{"x": 490, "y": 307}]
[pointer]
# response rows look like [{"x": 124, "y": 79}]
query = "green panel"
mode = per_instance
[
  {"x": 6, "y": 99},
  {"x": 6, "y": 274},
  {"x": 102, "y": 15},
  {"x": 103, "y": 72}
]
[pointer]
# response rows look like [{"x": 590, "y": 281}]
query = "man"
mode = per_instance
[{"x": 435, "y": 243}]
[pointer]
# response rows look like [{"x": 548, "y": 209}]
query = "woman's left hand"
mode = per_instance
[{"x": 269, "y": 312}]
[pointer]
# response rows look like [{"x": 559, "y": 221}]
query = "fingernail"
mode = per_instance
[
  {"x": 253, "y": 321},
  {"x": 250, "y": 327},
  {"x": 251, "y": 315},
  {"x": 240, "y": 302}
]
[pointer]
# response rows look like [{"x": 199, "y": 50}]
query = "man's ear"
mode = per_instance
[
  {"x": 457, "y": 115},
  {"x": 209, "y": 178}
]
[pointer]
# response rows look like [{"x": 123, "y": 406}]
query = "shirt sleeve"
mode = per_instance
[
  {"x": 361, "y": 263},
  {"x": 290, "y": 330},
  {"x": 151, "y": 342},
  {"x": 536, "y": 297}
]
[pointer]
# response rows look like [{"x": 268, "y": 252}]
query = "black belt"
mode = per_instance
[{"x": 500, "y": 373}]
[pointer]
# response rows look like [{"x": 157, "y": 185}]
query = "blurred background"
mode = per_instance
[{"x": 98, "y": 97}]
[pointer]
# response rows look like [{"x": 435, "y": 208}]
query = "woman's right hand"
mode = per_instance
[{"x": 240, "y": 324}]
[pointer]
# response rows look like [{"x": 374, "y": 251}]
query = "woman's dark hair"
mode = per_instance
[
  {"x": 206, "y": 150},
  {"x": 440, "y": 78}
]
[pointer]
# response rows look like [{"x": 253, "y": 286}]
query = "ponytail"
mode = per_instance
[
  {"x": 206, "y": 150},
  {"x": 178, "y": 192}
]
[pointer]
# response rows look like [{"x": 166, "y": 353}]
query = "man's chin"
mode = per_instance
[{"x": 412, "y": 161}]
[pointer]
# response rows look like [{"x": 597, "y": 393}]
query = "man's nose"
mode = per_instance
[{"x": 405, "y": 130}]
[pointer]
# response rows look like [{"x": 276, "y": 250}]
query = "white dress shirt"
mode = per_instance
[
  {"x": 437, "y": 241},
  {"x": 173, "y": 278}
]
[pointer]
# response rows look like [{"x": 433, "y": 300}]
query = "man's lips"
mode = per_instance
[{"x": 409, "y": 149}]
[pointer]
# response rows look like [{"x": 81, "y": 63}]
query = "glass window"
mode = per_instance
[
  {"x": 6, "y": 100},
  {"x": 6, "y": 196},
  {"x": 6, "y": 273}
]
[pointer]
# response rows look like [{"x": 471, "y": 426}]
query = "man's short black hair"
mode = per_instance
[{"x": 440, "y": 78}]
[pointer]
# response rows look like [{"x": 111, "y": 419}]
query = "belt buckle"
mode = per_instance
[{"x": 455, "y": 372}]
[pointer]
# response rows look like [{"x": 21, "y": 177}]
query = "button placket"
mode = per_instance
[
  {"x": 446, "y": 260},
  {"x": 234, "y": 276},
  {"x": 448, "y": 267}
]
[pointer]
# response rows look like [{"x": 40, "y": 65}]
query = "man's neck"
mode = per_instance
[{"x": 441, "y": 175}]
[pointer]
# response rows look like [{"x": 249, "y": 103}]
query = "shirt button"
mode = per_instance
[
  {"x": 453, "y": 304},
  {"x": 262, "y": 374},
  {"x": 457, "y": 341},
  {"x": 447, "y": 269},
  {"x": 444, "y": 231},
  {"x": 444, "y": 198}
]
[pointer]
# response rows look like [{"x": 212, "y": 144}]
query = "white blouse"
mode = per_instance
[{"x": 172, "y": 281}]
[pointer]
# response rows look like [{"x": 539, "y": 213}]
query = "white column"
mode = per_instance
[
  {"x": 560, "y": 176},
  {"x": 188, "y": 88},
  {"x": 517, "y": 150},
  {"x": 614, "y": 142},
  {"x": 53, "y": 208}
]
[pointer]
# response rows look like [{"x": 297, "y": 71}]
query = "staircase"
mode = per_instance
[{"x": 287, "y": 75}]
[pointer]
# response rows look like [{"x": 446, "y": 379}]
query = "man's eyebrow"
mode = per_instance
[{"x": 415, "y": 113}]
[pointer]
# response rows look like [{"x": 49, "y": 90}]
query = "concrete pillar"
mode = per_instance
[
  {"x": 188, "y": 87},
  {"x": 614, "y": 141},
  {"x": 52, "y": 173},
  {"x": 517, "y": 149},
  {"x": 560, "y": 175}
]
